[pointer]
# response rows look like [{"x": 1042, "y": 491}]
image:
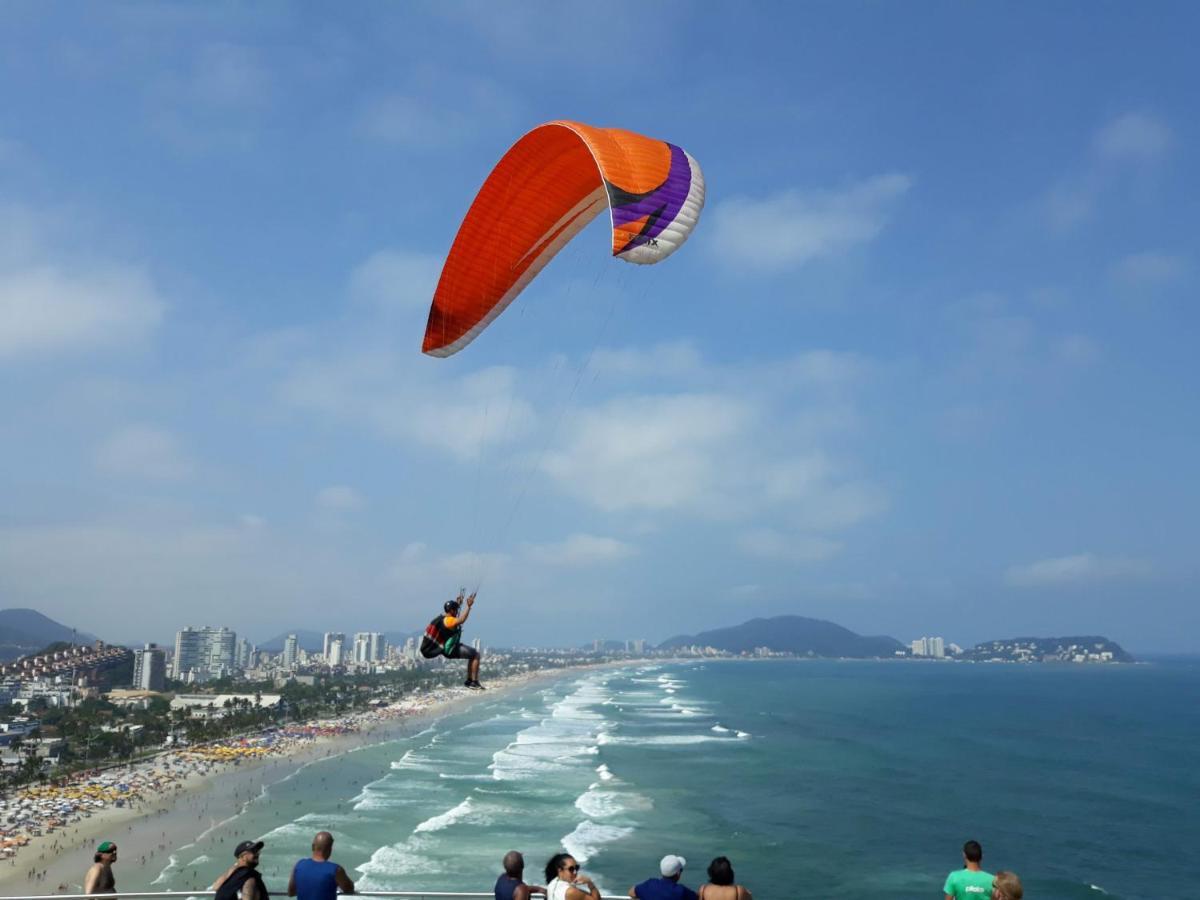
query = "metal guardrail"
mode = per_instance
[{"x": 136, "y": 895}]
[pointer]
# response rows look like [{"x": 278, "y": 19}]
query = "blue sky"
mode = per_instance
[{"x": 927, "y": 365}]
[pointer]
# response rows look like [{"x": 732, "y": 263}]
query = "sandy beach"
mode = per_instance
[{"x": 186, "y": 793}]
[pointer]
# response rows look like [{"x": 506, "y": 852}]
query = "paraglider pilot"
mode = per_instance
[{"x": 443, "y": 637}]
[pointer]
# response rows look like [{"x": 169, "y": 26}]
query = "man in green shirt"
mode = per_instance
[{"x": 970, "y": 882}]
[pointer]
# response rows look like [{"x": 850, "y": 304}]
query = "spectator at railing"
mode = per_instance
[
  {"x": 511, "y": 885},
  {"x": 667, "y": 887},
  {"x": 564, "y": 881},
  {"x": 722, "y": 884},
  {"x": 100, "y": 878},
  {"x": 970, "y": 882},
  {"x": 1007, "y": 886},
  {"x": 242, "y": 880},
  {"x": 316, "y": 878}
]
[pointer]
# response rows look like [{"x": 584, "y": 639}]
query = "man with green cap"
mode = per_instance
[{"x": 99, "y": 878}]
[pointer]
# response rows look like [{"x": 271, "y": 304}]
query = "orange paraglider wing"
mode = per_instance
[{"x": 542, "y": 193}]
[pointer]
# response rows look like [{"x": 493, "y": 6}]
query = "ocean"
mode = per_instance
[{"x": 816, "y": 778}]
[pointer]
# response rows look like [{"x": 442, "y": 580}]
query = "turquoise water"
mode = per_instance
[{"x": 816, "y": 778}]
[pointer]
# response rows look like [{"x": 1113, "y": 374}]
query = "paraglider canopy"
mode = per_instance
[{"x": 542, "y": 193}]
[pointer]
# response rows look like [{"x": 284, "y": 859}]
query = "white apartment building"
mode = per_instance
[
  {"x": 369, "y": 647},
  {"x": 150, "y": 668},
  {"x": 203, "y": 653},
  {"x": 290, "y": 647}
]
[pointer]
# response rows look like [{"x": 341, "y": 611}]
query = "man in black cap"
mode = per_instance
[{"x": 242, "y": 881}]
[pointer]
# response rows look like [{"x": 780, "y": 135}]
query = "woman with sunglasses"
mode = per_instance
[{"x": 563, "y": 881}]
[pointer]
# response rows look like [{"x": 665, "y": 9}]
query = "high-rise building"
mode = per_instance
[
  {"x": 934, "y": 647},
  {"x": 243, "y": 655},
  {"x": 335, "y": 655},
  {"x": 203, "y": 653},
  {"x": 378, "y": 646},
  {"x": 369, "y": 647},
  {"x": 290, "y": 646},
  {"x": 330, "y": 637},
  {"x": 150, "y": 668},
  {"x": 477, "y": 644}
]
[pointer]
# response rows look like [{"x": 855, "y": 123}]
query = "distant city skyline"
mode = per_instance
[{"x": 927, "y": 364}]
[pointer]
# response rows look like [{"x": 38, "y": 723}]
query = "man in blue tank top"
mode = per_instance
[
  {"x": 317, "y": 878},
  {"x": 511, "y": 885}
]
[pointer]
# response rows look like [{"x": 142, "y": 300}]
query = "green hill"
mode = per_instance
[
  {"x": 25, "y": 631},
  {"x": 790, "y": 634}
]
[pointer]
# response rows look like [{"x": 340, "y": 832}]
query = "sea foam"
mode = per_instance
[
  {"x": 463, "y": 812},
  {"x": 589, "y": 838},
  {"x": 599, "y": 803}
]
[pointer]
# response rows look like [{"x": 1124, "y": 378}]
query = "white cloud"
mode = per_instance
[
  {"x": 650, "y": 452},
  {"x": 340, "y": 498},
  {"x": 1148, "y": 270},
  {"x": 22, "y": 231},
  {"x": 998, "y": 344},
  {"x": 1072, "y": 201},
  {"x": 791, "y": 228},
  {"x": 580, "y": 550},
  {"x": 838, "y": 505},
  {"x": 720, "y": 454},
  {"x": 1077, "y": 350},
  {"x": 825, "y": 368},
  {"x": 215, "y": 99},
  {"x": 766, "y": 543},
  {"x": 1082, "y": 568},
  {"x": 131, "y": 572},
  {"x": 742, "y": 438},
  {"x": 1133, "y": 137},
  {"x": 401, "y": 398},
  {"x": 45, "y": 310},
  {"x": 436, "y": 110},
  {"x": 572, "y": 34},
  {"x": 396, "y": 280},
  {"x": 420, "y": 571},
  {"x": 1126, "y": 145},
  {"x": 229, "y": 75},
  {"x": 144, "y": 451},
  {"x": 672, "y": 359}
]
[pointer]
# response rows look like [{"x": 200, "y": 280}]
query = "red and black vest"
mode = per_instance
[{"x": 439, "y": 640}]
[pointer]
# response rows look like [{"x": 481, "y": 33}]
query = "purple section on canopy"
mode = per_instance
[{"x": 668, "y": 197}]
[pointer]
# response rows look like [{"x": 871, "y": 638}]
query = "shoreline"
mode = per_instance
[{"x": 165, "y": 824}]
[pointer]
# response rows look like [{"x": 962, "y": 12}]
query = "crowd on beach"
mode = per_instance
[{"x": 51, "y": 809}]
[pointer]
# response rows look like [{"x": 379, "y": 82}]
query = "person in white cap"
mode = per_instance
[{"x": 667, "y": 887}]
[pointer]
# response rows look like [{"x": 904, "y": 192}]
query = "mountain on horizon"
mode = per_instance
[
  {"x": 25, "y": 631},
  {"x": 790, "y": 634}
]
